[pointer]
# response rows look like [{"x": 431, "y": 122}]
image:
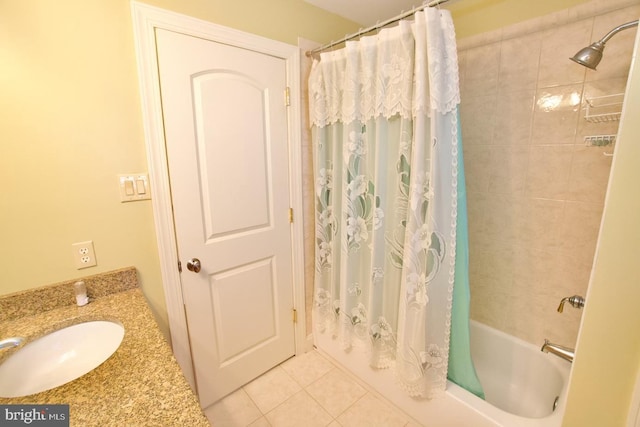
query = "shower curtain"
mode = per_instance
[{"x": 387, "y": 173}]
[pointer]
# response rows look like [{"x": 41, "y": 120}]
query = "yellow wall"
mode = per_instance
[
  {"x": 478, "y": 16},
  {"x": 608, "y": 349},
  {"x": 70, "y": 121}
]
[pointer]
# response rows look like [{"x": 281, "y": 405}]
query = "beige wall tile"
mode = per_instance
[
  {"x": 559, "y": 44},
  {"x": 514, "y": 114},
  {"x": 477, "y": 115},
  {"x": 481, "y": 72},
  {"x": 543, "y": 278},
  {"x": 508, "y": 169},
  {"x": 539, "y": 225},
  {"x": 550, "y": 268},
  {"x": 548, "y": 173},
  {"x": 570, "y": 273},
  {"x": 579, "y": 231},
  {"x": 535, "y": 203},
  {"x": 525, "y": 319},
  {"x": 502, "y": 218},
  {"x": 489, "y": 308},
  {"x": 556, "y": 113},
  {"x": 496, "y": 261},
  {"x": 589, "y": 174},
  {"x": 476, "y": 162},
  {"x": 519, "y": 63},
  {"x": 532, "y": 267}
]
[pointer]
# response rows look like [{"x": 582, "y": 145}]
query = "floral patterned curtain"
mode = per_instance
[{"x": 384, "y": 126}]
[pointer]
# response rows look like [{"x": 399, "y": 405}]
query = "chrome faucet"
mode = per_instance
[
  {"x": 11, "y": 342},
  {"x": 576, "y": 301},
  {"x": 565, "y": 353}
]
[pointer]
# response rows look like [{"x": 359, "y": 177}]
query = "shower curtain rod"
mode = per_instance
[{"x": 375, "y": 27}]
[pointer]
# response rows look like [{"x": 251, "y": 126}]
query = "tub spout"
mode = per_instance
[{"x": 565, "y": 353}]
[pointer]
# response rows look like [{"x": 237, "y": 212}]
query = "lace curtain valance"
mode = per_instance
[{"x": 373, "y": 77}]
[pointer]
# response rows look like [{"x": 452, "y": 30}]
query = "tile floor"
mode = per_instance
[{"x": 306, "y": 391}]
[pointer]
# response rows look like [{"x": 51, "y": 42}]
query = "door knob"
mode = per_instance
[{"x": 194, "y": 265}]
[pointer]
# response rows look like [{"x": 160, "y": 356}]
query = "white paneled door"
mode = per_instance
[{"x": 226, "y": 133}]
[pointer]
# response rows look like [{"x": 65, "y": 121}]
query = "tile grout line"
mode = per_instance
[{"x": 367, "y": 388}]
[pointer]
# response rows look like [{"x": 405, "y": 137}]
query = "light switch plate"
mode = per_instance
[{"x": 134, "y": 187}]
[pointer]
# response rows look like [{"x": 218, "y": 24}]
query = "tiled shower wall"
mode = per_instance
[{"x": 535, "y": 190}]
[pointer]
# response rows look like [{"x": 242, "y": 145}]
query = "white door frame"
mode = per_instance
[{"x": 145, "y": 20}]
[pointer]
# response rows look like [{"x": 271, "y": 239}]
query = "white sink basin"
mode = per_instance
[{"x": 59, "y": 357}]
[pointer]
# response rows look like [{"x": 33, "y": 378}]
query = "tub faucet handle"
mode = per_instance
[{"x": 576, "y": 301}]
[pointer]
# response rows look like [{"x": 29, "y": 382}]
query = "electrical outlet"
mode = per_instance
[{"x": 83, "y": 254}]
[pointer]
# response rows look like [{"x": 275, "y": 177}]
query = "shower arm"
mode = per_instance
[
  {"x": 617, "y": 30},
  {"x": 591, "y": 55}
]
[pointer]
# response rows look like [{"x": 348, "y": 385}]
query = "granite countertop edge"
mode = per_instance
[{"x": 140, "y": 384}]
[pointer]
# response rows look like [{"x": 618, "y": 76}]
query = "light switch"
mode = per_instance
[
  {"x": 134, "y": 187},
  {"x": 128, "y": 187},
  {"x": 141, "y": 186}
]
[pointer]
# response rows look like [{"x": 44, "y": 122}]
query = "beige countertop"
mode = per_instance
[{"x": 141, "y": 384}]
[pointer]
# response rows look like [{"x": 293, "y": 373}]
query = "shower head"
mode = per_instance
[{"x": 591, "y": 55}]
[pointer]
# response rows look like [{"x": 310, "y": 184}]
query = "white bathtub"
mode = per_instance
[{"x": 520, "y": 382}]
